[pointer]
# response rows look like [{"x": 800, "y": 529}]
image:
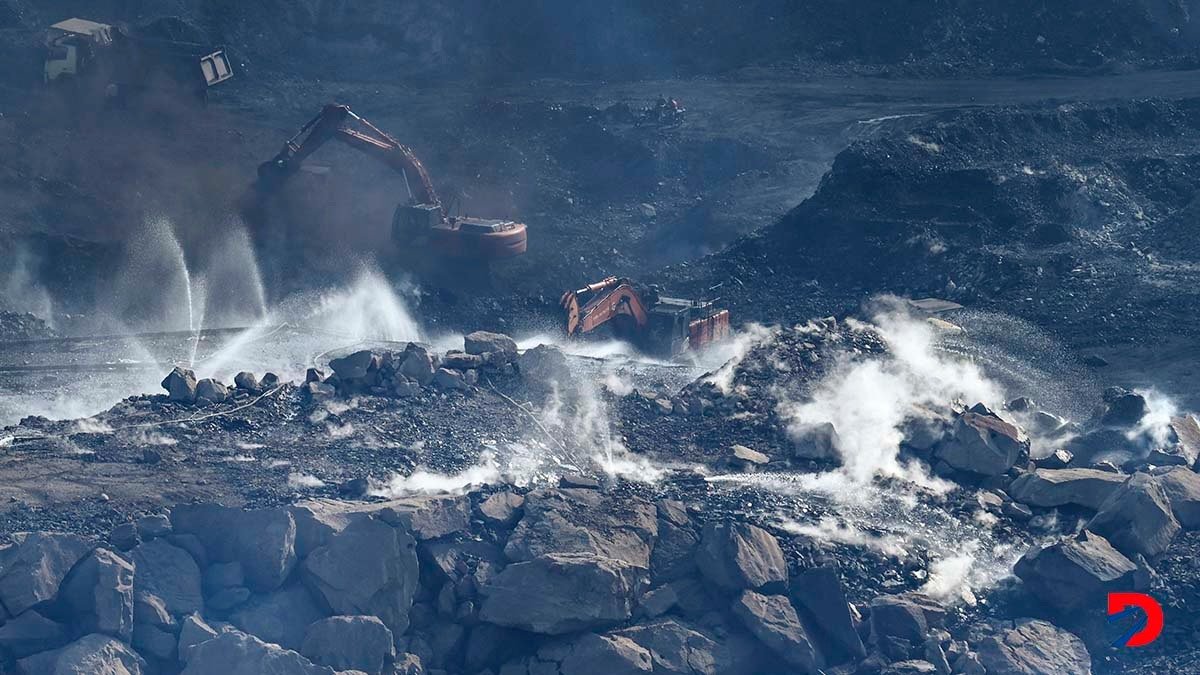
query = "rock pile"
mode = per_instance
[
  {"x": 18, "y": 326},
  {"x": 562, "y": 581}
]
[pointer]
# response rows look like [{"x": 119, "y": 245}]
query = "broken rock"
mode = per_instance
[
  {"x": 1182, "y": 487},
  {"x": 676, "y": 649},
  {"x": 1137, "y": 517},
  {"x": 369, "y": 567},
  {"x": 502, "y": 509},
  {"x": 31, "y": 633},
  {"x": 349, "y": 643},
  {"x": 1060, "y": 487},
  {"x": 262, "y": 540},
  {"x": 99, "y": 592},
  {"x": 594, "y": 654},
  {"x": 169, "y": 573},
  {"x": 584, "y": 521},
  {"x": 561, "y": 593},
  {"x": 740, "y": 556},
  {"x": 33, "y": 566},
  {"x": 180, "y": 384},
  {"x": 482, "y": 342},
  {"x": 280, "y": 617},
  {"x": 1034, "y": 646},
  {"x": 90, "y": 655},
  {"x": 210, "y": 391},
  {"x": 819, "y": 591},
  {"x": 1076, "y": 571},
  {"x": 982, "y": 443},
  {"x": 773, "y": 620},
  {"x": 235, "y": 653}
]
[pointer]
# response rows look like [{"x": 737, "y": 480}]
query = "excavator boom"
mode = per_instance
[
  {"x": 419, "y": 217},
  {"x": 613, "y": 297}
]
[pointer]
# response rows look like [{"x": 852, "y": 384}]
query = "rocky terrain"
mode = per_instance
[{"x": 249, "y": 435}]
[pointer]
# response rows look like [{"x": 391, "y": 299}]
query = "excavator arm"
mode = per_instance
[
  {"x": 334, "y": 122},
  {"x": 610, "y": 298}
]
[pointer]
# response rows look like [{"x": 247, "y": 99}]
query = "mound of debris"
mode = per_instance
[
  {"x": 17, "y": 326},
  {"x": 567, "y": 581},
  {"x": 1007, "y": 208}
]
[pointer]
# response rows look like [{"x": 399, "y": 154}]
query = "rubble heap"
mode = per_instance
[{"x": 565, "y": 581}]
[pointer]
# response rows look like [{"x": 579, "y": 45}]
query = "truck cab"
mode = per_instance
[{"x": 71, "y": 44}]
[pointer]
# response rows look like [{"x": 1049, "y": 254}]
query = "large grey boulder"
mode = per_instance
[
  {"x": 982, "y": 443},
  {"x": 1137, "y": 517},
  {"x": 738, "y": 556},
  {"x": 355, "y": 366},
  {"x": 819, "y": 591},
  {"x": 677, "y": 649},
  {"x": 33, "y": 566},
  {"x": 1125, "y": 410},
  {"x": 561, "y": 593},
  {"x": 502, "y": 509},
  {"x": 281, "y": 617},
  {"x": 99, "y": 593},
  {"x": 235, "y": 653},
  {"x": 482, "y": 342},
  {"x": 180, "y": 384},
  {"x": 169, "y": 573},
  {"x": 543, "y": 364},
  {"x": 89, "y": 655},
  {"x": 1077, "y": 571},
  {"x": 31, "y": 633},
  {"x": 418, "y": 364},
  {"x": 592, "y": 654},
  {"x": 370, "y": 567},
  {"x": 1060, "y": 487},
  {"x": 262, "y": 540},
  {"x": 211, "y": 391},
  {"x": 773, "y": 620},
  {"x": 349, "y": 643},
  {"x": 584, "y": 521},
  {"x": 193, "y": 631},
  {"x": 898, "y": 616},
  {"x": 1182, "y": 488},
  {"x": 1033, "y": 647}
]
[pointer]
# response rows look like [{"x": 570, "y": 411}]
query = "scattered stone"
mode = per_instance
[
  {"x": 124, "y": 537},
  {"x": 910, "y": 667},
  {"x": 1125, "y": 411},
  {"x": 502, "y": 509},
  {"x": 561, "y": 593},
  {"x": 449, "y": 380},
  {"x": 209, "y": 391},
  {"x": 819, "y": 442},
  {"x": 235, "y": 653},
  {"x": 33, "y": 566},
  {"x": 576, "y": 480},
  {"x": 90, "y": 655},
  {"x": 370, "y": 567},
  {"x": 280, "y": 617},
  {"x": 1182, "y": 488},
  {"x": 593, "y": 654},
  {"x": 31, "y": 633},
  {"x": 169, "y": 573},
  {"x": 150, "y": 527},
  {"x": 773, "y": 620},
  {"x": 246, "y": 381},
  {"x": 355, "y": 366},
  {"x": 647, "y": 210},
  {"x": 149, "y": 456},
  {"x": 1034, "y": 646},
  {"x": 543, "y": 364},
  {"x": 314, "y": 375},
  {"x": 418, "y": 365},
  {"x": 482, "y": 342},
  {"x": 744, "y": 458},
  {"x": 1017, "y": 511},
  {"x": 262, "y": 540},
  {"x": 461, "y": 361},
  {"x": 1059, "y": 487},
  {"x": 193, "y": 631},
  {"x": 181, "y": 385},
  {"x": 900, "y": 617},
  {"x": 99, "y": 593},
  {"x": 676, "y": 649},
  {"x": 982, "y": 443},
  {"x": 317, "y": 391},
  {"x": 349, "y": 643},
  {"x": 268, "y": 381},
  {"x": 740, "y": 556},
  {"x": 584, "y": 521},
  {"x": 1059, "y": 459},
  {"x": 819, "y": 591},
  {"x": 1076, "y": 571},
  {"x": 429, "y": 517},
  {"x": 1095, "y": 361},
  {"x": 1137, "y": 517}
]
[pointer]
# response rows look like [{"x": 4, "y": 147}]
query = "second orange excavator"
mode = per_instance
[
  {"x": 652, "y": 322},
  {"x": 420, "y": 218}
]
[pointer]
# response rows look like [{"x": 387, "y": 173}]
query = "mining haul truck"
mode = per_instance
[{"x": 101, "y": 58}]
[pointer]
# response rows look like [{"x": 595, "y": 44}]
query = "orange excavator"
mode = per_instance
[
  {"x": 653, "y": 323},
  {"x": 420, "y": 218}
]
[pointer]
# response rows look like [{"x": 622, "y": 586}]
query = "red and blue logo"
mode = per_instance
[{"x": 1136, "y": 617}]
